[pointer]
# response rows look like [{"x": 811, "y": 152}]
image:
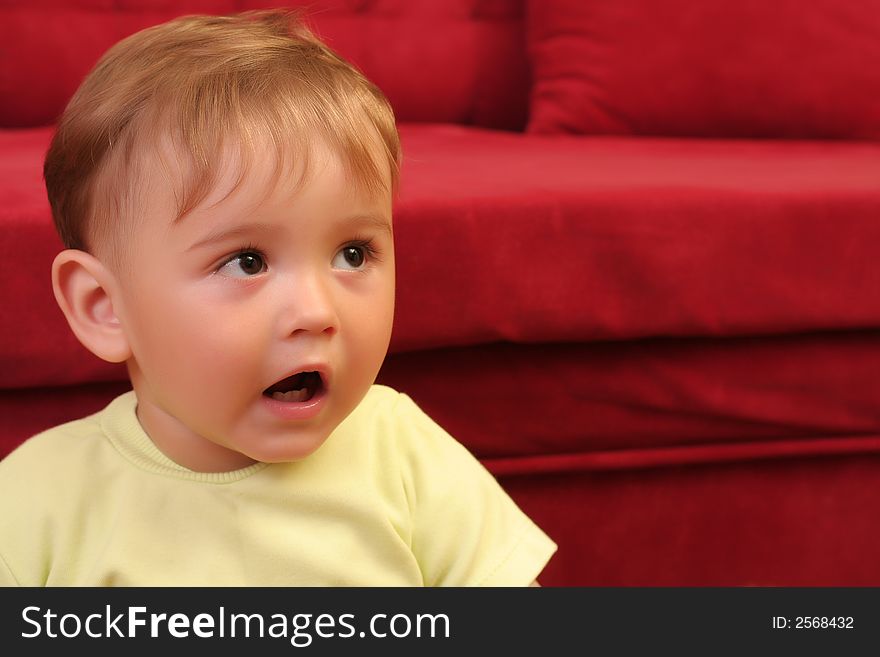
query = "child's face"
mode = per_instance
[{"x": 246, "y": 291}]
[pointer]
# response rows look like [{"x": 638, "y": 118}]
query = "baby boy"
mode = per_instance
[{"x": 224, "y": 187}]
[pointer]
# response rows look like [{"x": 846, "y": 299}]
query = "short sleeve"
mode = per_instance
[{"x": 466, "y": 531}]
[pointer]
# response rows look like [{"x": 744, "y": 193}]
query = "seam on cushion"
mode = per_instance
[{"x": 682, "y": 455}]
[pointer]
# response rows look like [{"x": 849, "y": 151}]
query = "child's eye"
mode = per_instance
[
  {"x": 243, "y": 264},
  {"x": 354, "y": 257}
]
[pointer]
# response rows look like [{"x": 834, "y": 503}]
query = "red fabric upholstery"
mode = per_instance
[
  {"x": 791, "y": 522},
  {"x": 651, "y": 401},
  {"x": 666, "y": 348},
  {"x": 459, "y": 61},
  {"x": 627, "y": 238},
  {"x": 716, "y": 68}
]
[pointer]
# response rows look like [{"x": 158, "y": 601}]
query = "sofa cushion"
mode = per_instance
[
  {"x": 559, "y": 238},
  {"x": 554, "y": 239},
  {"x": 718, "y": 68},
  {"x": 460, "y": 61},
  {"x": 793, "y": 522}
]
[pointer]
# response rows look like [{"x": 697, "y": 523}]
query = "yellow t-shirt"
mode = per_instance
[{"x": 390, "y": 499}]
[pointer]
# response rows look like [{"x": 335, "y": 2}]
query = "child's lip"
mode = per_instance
[{"x": 296, "y": 410}]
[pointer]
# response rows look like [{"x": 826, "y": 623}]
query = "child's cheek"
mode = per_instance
[{"x": 192, "y": 346}]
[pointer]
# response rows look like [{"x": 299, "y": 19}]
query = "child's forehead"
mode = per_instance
[{"x": 251, "y": 171}]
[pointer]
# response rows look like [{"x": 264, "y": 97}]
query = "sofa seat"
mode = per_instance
[
  {"x": 633, "y": 237},
  {"x": 623, "y": 238}
]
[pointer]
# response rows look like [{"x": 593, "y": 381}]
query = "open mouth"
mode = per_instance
[{"x": 300, "y": 387}]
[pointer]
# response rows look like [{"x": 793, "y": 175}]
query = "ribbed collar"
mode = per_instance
[{"x": 121, "y": 426}]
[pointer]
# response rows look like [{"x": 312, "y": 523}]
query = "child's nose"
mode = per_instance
[{"x": 309, "y": 307}]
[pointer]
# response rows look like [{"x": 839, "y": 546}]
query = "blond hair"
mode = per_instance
[{"x": 203, "y": 84}]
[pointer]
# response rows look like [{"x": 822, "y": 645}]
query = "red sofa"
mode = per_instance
[{"x": 637, "y": 250}]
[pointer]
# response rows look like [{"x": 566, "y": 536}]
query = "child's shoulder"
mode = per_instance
[
  {"x": 57, "y": 448},
  {"x": 382, "y": 405},
  {"x": 384, "y": 399},
  {"x": 381, "y": 396},
  {"x": 385, "y": 408},
  {"x": 395, "y": 420}
]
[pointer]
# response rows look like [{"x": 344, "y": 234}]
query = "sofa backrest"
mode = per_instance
[
  {"x": 451, "y": 61},
  {"x": 706, "y": 68}
]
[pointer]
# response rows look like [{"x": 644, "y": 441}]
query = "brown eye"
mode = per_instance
[
  {"x": 353, "y": 255},
  {"x": 243, "y": 265},
  {"x": 250, "y": 263}
]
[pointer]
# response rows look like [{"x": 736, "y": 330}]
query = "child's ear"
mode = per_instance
[{"x": 83, "y": 288}]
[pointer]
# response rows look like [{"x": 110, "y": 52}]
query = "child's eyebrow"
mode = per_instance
[
  {"x": 376, "y": 221},
  {"x": 235, "y": 231}
]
